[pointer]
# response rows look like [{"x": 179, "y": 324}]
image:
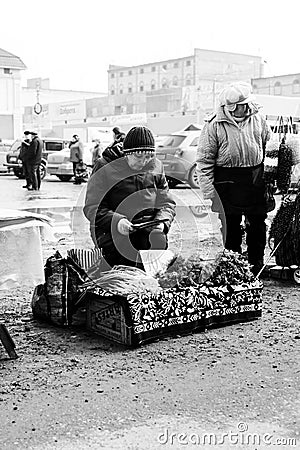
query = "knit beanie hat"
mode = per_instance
[{"x": 139, "y": 139}]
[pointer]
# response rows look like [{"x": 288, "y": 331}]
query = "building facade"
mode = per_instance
[
  {"x": 170, "y": 86},
  {"x": 59, "y": 109},
  {"x": 10, "y": 95},
  {"x": 285, "y": 85}
]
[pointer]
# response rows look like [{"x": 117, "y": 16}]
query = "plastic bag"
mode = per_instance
[{"x": 55, "y": 301}]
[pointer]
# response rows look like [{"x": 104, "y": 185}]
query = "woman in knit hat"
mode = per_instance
[{"x": 126, "y": 193}]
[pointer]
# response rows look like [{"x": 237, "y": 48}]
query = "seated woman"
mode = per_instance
[{"x": 128, "y": 191}]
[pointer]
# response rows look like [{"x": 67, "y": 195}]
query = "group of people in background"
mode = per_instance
[{"x": 31, "y": 157}]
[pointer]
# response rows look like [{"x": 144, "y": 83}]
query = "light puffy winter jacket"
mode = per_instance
[
  {"x": 76, "y": 151},
  {"x": 226, "y": 143}
]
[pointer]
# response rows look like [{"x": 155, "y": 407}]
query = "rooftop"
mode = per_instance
[{"x": 10, "y": 61}]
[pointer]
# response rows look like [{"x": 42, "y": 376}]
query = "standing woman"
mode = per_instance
[{"x": 76, "y": 153}]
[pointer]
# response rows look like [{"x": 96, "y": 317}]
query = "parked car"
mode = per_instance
[
  {"x": 59, "y": 163},
  {"x": 178, "y": 154},
  {"x": 5, "y": 146},
  {"x": 51, "y": 145}
]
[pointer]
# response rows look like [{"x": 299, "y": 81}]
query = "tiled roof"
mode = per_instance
[{"x": 10, "y": 61}]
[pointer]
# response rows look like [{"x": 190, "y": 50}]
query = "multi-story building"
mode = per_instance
[
  {"x": 286, "y": 85},
  {"x": 165, "y": 86},
  {"x": 10, "y": 95}
]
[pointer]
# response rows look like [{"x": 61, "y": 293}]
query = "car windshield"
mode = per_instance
[
  {"x": 173, "y": 141},
  {"x": 15, "y": 146}
]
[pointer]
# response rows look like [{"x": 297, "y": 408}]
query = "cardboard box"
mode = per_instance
[{"x": 106, "y": 317}]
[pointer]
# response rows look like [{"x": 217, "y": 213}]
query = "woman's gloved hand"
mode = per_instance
[{"x": 124, "y": 227}]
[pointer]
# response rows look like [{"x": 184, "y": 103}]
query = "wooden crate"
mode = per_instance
[{"x": 127, "y": 321}]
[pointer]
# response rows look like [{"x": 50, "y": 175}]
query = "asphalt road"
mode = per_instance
[{"x": 235, "y": 387}]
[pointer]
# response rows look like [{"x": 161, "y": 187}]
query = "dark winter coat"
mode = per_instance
[
  {"x": 116, "y": 191},
  {"x": 24, "y": 153},
  {"x": 35, "y": 151},
  {"x": 111, "y": 153}
]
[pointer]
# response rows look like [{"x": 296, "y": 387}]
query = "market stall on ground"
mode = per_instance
[
  {"x": 21, "y": 260},
  {"x": 131, "y": 307}
]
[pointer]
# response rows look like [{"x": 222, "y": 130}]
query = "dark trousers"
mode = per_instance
[
  {"x": 255, "y": 235},
  {"x": 125, "y": 251},
  {"x": 34, "y": 176},
  {"x": 242, "y": 193},
  {"x": 26, "y": 173},
  {"x": 74, "y": 168},
  {"x": 77, "y": 180}
]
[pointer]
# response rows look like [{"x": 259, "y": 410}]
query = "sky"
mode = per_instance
[{"x": 73, "y": 42}]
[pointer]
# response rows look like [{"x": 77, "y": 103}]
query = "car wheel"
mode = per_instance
[
  {"x": 172, "y": 182},
  {"x": 43, "y": 171},
  {"x": 193, "y": 178},
  {"x": 19, "y": 173},
  {"x": 64, "y": 177}
]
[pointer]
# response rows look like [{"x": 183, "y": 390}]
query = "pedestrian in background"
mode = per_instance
[
  {"x": 34, "y": 153},
  {"x": 113, "y": 151},
  {"x": 23, "y": 156},
  {"x": 230, "y": 163},
  {"x": 76, "y": 154},
  {"x": 97, "y": 151}
]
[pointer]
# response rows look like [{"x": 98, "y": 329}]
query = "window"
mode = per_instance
[
  {"x": 121, "y": 74},
  {"x": 175, "y": 81},
  {"x": 296, "y": 87},
  {"x": 164, "y": 83},
  {"x": 153, "y": 69},
  {"x": 165, "y": 66},
  {"x": 173, "y": 141},
  {"x": 188, "y": 63},
  {"x": 129, "y": 72},
  {"x": 112, "y": 90},
  {"x": 129, "y": 88},
  {"x": 277, "y": 88},
  {"x": 112, "y": 75},
  {"x": 141, "y": 86},
  {"x": 8, "y": 71},
  {"x": 141, "y": 70},
  {"x": 188, "y": 80},
  {"x": 121, "y": 89},
  {"x": 152, "y": 85},
  {"x": 175, "y": 65},
  {"x": 195, "y": 141},
  {"x": 53, "y": 146}
]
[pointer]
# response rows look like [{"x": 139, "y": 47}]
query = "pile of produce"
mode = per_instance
[
  {"x": 285, "y": 231},
  {"x": 232, "y": 269},
  {"x": 285, "y": 164},
  {"x": 229, "y": 268},
  {"x": 124, "y": 280},
  {"x": 271, "y": 160},
  {"x": 279, "y": 161}
]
